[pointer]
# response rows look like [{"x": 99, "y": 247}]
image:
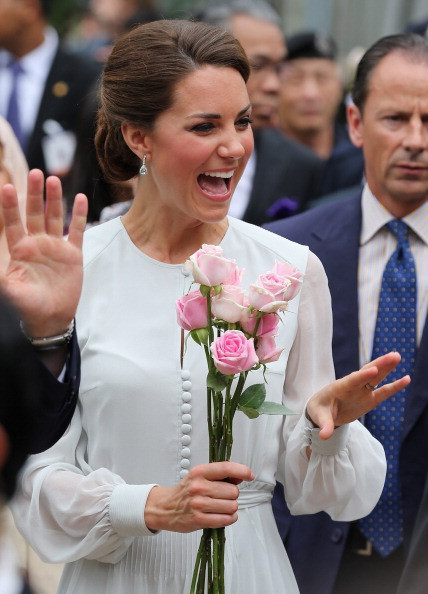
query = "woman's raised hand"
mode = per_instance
[
  {"x": 203, "y": 499},
  {"x": 350, "y": 397},
  {"x": 44, "y": 277}
]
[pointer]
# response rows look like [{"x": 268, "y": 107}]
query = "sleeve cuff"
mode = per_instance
[
  {"x": 326, "y": 447},
  {"x": 126, "y": 510}
]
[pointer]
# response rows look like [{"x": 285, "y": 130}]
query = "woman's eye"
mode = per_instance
[
  {"x": 205, "y": 127},
  {"x": 244, "y": 122}
]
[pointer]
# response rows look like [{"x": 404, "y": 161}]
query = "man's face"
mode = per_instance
[
  {"x": 264, "y": 45},
  {"x": 311, "y": 90},
  {"x": 393, "y": 132},
  {"x": 12, "y": 19}
]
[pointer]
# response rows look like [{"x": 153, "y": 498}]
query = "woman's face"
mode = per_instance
[{"x": 199, "y": 146}]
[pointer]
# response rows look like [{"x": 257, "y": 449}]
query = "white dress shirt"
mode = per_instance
[
  {"x": 242, "y": 193},
  {"x": 376, "y": 246}
]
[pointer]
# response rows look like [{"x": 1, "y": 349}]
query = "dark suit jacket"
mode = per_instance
[
  {"x": 284, "y": 169},
  {"x": 332, "y": 231},
  {"x": 35, "y": 408},
  {"x": 414, "y": 579},
  {"x": 62, "y": 102}
]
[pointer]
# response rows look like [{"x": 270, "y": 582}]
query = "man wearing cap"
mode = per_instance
[{"x": 311, "y": 92}]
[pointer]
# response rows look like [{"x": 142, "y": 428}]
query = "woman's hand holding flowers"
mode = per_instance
[{"x": 203, "y": 499}]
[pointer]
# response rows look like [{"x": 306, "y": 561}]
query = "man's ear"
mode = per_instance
[
  {"x": 4, "y": 446},
  {"x": 355, "y": 125},
  {"x": 138, "y": 140}
]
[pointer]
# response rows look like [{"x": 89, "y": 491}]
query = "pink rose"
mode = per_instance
[
  {"x": 288, "y": 271},
  {"x": 192, "y": 311},
  {"x": 265, "y": 301},
  {"x": 208, "y": 266},
  {"x": 235, "y": 277},
  {"x": 233, "y": 352},
  {"x": 228, "y": 305},
  {"x": 268, "y": 325},
  {"x": 267, "y": 351}
]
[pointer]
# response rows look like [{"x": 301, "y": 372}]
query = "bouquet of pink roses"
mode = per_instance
[{"x": 237, "y": 332}]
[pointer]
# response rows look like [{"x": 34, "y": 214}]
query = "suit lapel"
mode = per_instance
[{"x": 338, "y": 237}]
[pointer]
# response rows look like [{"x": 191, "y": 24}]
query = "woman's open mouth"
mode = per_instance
[{"x": 216, "y": 184}]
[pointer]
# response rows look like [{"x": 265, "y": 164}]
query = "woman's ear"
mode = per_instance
[{"x": 137, "y": 139}]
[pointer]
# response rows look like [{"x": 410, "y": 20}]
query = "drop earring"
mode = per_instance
[{"x": 143, "y": 168}]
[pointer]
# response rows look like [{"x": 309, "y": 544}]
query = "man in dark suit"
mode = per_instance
[
  {"x": 282, "y": 175},
  {"x": 354, "y": 241},
  {"x": 43, "y": 87}
]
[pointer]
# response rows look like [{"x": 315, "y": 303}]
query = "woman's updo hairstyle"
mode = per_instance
[{"x": 140, "y": 76}]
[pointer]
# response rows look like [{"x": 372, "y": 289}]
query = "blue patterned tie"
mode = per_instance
[
  {"x": 395, "y": 330},
  {"x": 12, "y": 115}
]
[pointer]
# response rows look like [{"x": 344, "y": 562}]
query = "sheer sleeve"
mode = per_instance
[
  {"x": 67, "y": 511},
  {"x": 345, "y": 474}
]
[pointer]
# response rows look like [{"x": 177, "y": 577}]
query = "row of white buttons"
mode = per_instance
[{"x": 186, "y": 418}]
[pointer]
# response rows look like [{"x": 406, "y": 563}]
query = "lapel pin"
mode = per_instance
[{"x": 60, "y": 89}]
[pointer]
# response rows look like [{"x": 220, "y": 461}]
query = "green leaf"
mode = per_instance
[
  {"x": 200, "y": 335},
  {"x": 217, "y": 381},
  {"x": 252, "y": 397},
  {"x": 217, "y": 289},
  {"x": 273, "y": 408},
  {"x": 251, "y": 413},
  {"x": 205, "y": 290}
]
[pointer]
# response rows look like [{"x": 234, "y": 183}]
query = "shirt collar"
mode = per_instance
[{"x": 375, "y": 216}]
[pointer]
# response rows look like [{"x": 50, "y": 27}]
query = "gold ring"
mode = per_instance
[{"x": 370, "y": 387}]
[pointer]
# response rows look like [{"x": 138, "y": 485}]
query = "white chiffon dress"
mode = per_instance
[{"x": 141, "y": 421}]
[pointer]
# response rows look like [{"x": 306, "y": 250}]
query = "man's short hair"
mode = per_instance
[
  {"x": 221, "y": 13},
  {"x": 413, "y": 46}
]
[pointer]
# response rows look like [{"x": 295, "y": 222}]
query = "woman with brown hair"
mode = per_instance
[{"x": 122, "y": 496}]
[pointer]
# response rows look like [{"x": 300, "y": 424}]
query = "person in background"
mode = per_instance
[
  {"x": 124, "y": 515},
  {"x": 42, "y": 86},
  {"x": 281, "y": 175},
  {"x": 374, "y": 247},
  {"x": 13, "y": 169},
  {"x": 33, "y": 411},
  {"x": 310, "y": 96},
  {"x": 54, "y": 400},
  {"x": 35, "y": 350},
  {"x": 104, "y": 21}
]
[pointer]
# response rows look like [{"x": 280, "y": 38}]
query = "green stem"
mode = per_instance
[
  {"x": 210, "y": 565},
  {"x": 200, "y": 560},
  {"x": 216, "y": 567},
  {"x": 222, "y": 544},
  {"x": 238, "y": 392}
]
